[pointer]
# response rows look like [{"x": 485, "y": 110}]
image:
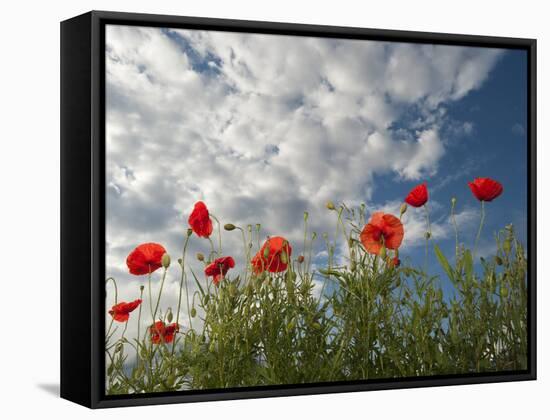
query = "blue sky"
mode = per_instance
[{"x": 264, "y": 127}]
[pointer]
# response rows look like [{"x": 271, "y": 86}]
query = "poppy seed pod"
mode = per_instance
[
  {"x": 141, "y": 288},
  {"x": 165, "y": 260},
  {"x": 427, "y": 235},
  {"x": 330, "y": 205},
  {"x": 200, "y": 256},
  {"x": 189, "y": 232},
  {"x": 229, "y": 227},
  {"x": 169, "y": 316}
]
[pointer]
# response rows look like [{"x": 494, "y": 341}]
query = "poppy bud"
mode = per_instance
[
  {"x": 403, "y": 209},
  {"x": 382, "y": 253},
  {"x": 300, "y": 259},
  {"x": 330, "y": 205},
  {"x": 316, "y": 326},
  {"x": 453, "y": 201},
  {"x": 193, "y": 312},
  {"x": 200, "y": 256},
  {"x": 165, "y": 261},
  {"x": 229, "y": 227},
  {"x": 284, "y": 257},
  {"x": 266, "y": 252},
  {"x": 258, "y": 227},
  {"x": 189, "y": 232},
  {"x": 427, "y": 235},
  {"x": 503, "y": 291},
  {"x": 170, "y": 316},
  {"x": 249, "y": 227},
  {"x": 171, "y": 380},
  {"x": 141, "y": 288},
  {"x": 180, "y": 262},
  {"x": 306, "y": 215}
]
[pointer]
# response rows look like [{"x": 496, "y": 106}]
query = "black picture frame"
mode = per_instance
[{"x": 83, "y": 206}]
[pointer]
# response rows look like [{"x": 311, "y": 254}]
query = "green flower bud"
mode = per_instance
[
  {"x": 229, "y": 227},
  {"x": 427, "y": 235},
  {"x": 194, "y": 312},
  {"x": 330, "y": 205},
  {"x": 306, "y": 215},
  {"x": 284, "y": 257},
  {"x": 169, "y": 316},
  {"x": 171, "y": 380},
  {"x": 453, "y": 201},
  {"x": 141, "y": 288},
  {"x": 403, "y": 209},
  {"x": 503, "y": 291},
  {"x": 165, "y": 261},
  {"x": 316, "y": 326},
  {"x": 189, "y": 232}
]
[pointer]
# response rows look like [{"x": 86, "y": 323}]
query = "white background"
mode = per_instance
[{"x": 29, "y": 232}]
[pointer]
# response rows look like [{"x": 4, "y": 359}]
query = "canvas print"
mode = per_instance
[{"x": 299, "y": 210}]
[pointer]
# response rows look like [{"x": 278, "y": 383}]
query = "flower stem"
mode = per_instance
[
  {"x": 428, "y": 236},
  {"x": 138, "y": 326},
  {"x": 453, "y": 219},
  {"x": 160, "y": 293},
  {"x": 480, "y": 228},
  {"x": 219, "y": 233},
  {"x": 150, "y": 295}
]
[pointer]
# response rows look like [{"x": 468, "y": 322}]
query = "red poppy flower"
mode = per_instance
[
  {"x": 418, "y": 196},
  {"x": 145, "y": 259},
  {"x": 219, "y": 268},
  {"x": 396, "y": 262},
  {"x": 163, "y": 333},
  {"x": 273, "y": 256},
  {"x": 199, "y": 220},
  {"x": 382, "y": 229},
  {"x": 485, "y": 189},
  {"x": 121, "y": 311}
]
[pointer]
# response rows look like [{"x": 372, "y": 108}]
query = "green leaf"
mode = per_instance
[
  {"x": 444, "y": 263},
  {"x": 197, "y": 281}
]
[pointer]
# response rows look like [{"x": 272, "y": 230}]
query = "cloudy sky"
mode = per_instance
[{"x": 265, "y": 127}]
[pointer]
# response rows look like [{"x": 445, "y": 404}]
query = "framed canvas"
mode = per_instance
[{"x": 255, "y": 209}]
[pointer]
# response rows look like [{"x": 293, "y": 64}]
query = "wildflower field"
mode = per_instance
[{"x": 264, "y": 323}]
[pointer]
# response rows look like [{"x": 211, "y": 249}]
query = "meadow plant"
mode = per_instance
[{"x": 271, "y": 323}]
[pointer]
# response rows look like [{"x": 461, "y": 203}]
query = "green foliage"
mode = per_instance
[{"x": 371, "y": 320}]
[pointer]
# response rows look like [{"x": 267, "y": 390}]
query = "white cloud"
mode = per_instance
[{"x": 263, "y": 128}]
